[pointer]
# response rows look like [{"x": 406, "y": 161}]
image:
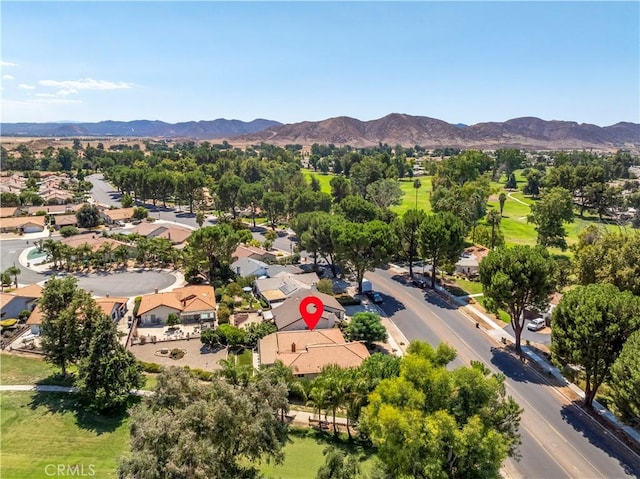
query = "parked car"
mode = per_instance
[
  {"x": 420, "y": 282},
  {"x": 375, "y": 296},
  {"x": 536, "y": 324}
]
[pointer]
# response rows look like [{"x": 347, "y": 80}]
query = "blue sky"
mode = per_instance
[{"x": 459, "y": 61}]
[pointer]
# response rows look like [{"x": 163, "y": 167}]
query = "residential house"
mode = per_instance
[
  {"x": 247, "y": 267},
  {"x": 307, "y": 352},
  {"x": 122, "y": 214},
  {"x": 53, "y": 209},
  {"x": 176, "y": 234},
  {"x": 253, "y": 252},
  {"x": 18, "y": 300},
  {"x": 93, "y": 240},
  {"x": 57, "y": 197},
  {"x": 191, "y": 303},
  {"x": 9, "y": 211},
  {"x": 65, "y": 220},
  {"x": 469, "y": 263},
  {"x": 24, "y": 224},
  {"x": 35, "y": 321},
  {"x": 275, "y": 290},
  {"x": 113, "y": 307},
  {"x": 289, "y": 318}
]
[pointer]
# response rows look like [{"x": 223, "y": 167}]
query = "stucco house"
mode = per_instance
[
  {"x": 113, "y": 307},
  {"x": 307, "y": 352},
  {"x": 121, "y": 214},
  {"x": 191, "y": 303},
  {"x": 24, "y": 224},
  {"x": 18, "y": 300},
  {"x": 287, "y": 316}
]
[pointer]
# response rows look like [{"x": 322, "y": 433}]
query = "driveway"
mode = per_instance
[{"x": 542, "y": 337}]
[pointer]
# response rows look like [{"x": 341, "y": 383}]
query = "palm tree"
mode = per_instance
[
  {"x": 279, "y": 373},
  {"x": 52, "y": 248},
  {"x": 84, "y": 252},
  {"x": 417, "y": 184},
  {"x": 493, "y": 219},
  {"x": 502, "y": 199},
  {"x": 121, "y": 253},
  {"x": 13, "y": 271},
  {"x": 105, "y": 252},
  {"x": 331, "y": 386}
]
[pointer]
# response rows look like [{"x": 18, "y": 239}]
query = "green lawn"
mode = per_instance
[
  {"x": 323, "y": 178},
  {"x": 303, "y": 455},
  {"x": 38, "y": 429},
  {"x": 470, "y": 287},
  {"x": 245, "y": 358},
  {"x": 409, "y": 198},
  {"x": 24, "y": 370}
]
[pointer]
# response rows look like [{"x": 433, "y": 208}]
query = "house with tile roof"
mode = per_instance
[
  {"x": 176, "y": 234},
  {"x": 22, "y": 224},
  {"x": 246, "y": 251},
  {"x": 275, "y": 290},
  {"x": 307, "y": 352},
  {"x": 9, "y": 211},
  {"x": 191, "y": 303},
  {"x": 121, "y": 214},
  {"x": 287, "y": 315},
  {"x": 114, "y": 307}
]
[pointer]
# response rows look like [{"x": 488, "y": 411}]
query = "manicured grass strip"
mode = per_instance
[
  {"x": 470, "y": 287},
  {"x": 39, "y": 429},
  {"x": 16, "y": 369},
  {"x": 303, "y": 455}
]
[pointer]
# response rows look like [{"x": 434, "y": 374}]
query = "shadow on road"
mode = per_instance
[
  {"x": 577, "y": 418},
  {"x": 512, "y": 367},
  {"x": 391, "y": 305}
]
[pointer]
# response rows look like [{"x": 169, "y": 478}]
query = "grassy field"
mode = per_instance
[
  {"x": 323, "y": 178},
  {"x": 409, "y": 198},
  {"x": 39, "y": 429},
  {"x": 24, "y": 370}
]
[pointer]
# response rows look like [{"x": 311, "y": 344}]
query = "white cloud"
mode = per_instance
[
  {"x": 7, "y": 77},
  {"x": 24, "y": 86},
  {"x": 86, "y": 84},
  {"x": 45, "y": 95},
  {"x": 8, "y": 64},
  {"x": 69, "y": 91}
]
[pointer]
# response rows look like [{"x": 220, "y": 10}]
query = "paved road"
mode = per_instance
[
  {"x": 558, "y": 439},
  {"x": 103, "y": 192},
  {"x": 10, "y": 252}
]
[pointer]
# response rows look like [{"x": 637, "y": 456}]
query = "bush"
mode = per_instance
[
  {"x": 173, "y": 319},
  {"x": 150, "y": 367},
  {"x": 200, "y": 374},
  {"x": 176, "y": 353},
  {"x": 136, "y": 305},
  {"x": 346, "y": 300},
  {"x": 67, "y": 231},
  {"x": 325, "y": 286},
  {"x": 223, "y": 314},
  {"x": 140, "y": 212},
  {"x": 227, "y": 301}
]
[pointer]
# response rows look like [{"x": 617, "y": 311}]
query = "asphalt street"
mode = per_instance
[{"x": 559, "y": 439}]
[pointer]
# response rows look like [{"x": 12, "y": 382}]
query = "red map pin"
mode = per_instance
[{"x": 311, "y": 318}]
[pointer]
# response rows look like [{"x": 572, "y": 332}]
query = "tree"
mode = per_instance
[
  {"x": 140, "y": 212},
  {"x": 486, "y": 235},
  {"x": 68, "y": 316},
  {"x": 625, "y": 379},
  {"x": 384, "y": 193},
  {"x": 606, "y": 257},
  {"x": 534, "y": 181},
  {"x": 251, "y": 196},
  {"x": 228, "y": 191},
  {"x": 214, "y": 430},
  {"x": 367, "y": 327},
  {"x": 340, "y": 188},
  {"x": 67, "y": 231},
  {"x": 5, "y": 280},
  {"x": 517, "y": 278},
  {"x": 9, "y": 199},
  {"x": 257, "y": 331},
  {"x": 589, "y": 327},
  {"x": 406, "y": 229},
  {"x": 363, "y": 247},
  {"x": 88, "y": 216},
  {"x": 511, "y": 182},
  {"x": 200, "y": 218},
  {"x": 417, "y": 184},
  {"x": 441, "y": 239},
  {"x": 126, "y": 201},
  {"x": 108, "y": 373},
  {"x": 275, "y": 206},
  {"x": 432, "y": 422},
  {"x": 356, "y": 209},
  {"x": 191, "y": 186},
  {"x": 325, "y": 286},
  {"x": 173, "y": 319},
  {"x": 493, "y": 220},
  {"x": 549, "y": 215},
  {"x": 231, "y": 335},
  {"x": 338, "y": 465},
  {"x": 13, "y": 271},
  {"x": 502, "y": 199},
  {"x": 211, "y": 247}
]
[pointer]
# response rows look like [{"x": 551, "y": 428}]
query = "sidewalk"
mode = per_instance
[{"x": 497, "y": 333}]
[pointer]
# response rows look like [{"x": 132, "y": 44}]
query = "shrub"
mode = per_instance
[
  {"x": 67, "y": 231},
  {"x": 227, "y": 301},
  {"x": 325, "y": 286},
  {"x": 176, "y": 353},
  {"x": 173, "y": 319},
  {"x": 223, "y": 314},
  {"x": 140, "y": 212},
  {"x": 150, "y": 367},
  {"x": 136, "y": 305}
]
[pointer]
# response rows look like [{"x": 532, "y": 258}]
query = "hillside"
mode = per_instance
[
  {"x": 219, "y": 128},
  {"x": 410, "y": 130}
]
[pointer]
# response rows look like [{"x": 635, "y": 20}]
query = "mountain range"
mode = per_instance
[{"x": 396, "y": 128}]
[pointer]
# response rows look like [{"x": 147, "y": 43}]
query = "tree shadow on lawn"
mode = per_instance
[
  {"x": 70, "y": 403},
  {"x": 582, "y": 422},
  {"x": 362, "y": 449}
]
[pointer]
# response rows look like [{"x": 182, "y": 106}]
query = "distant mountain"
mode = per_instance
[
  {"x": 204, "y": 130},
  {"x": 407, "y": 130}
]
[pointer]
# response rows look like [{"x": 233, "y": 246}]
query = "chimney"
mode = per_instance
[
  {"x": 293, "y": 347},
  {"x": 156, "y": 290},
  {"x": 107, "y": 295}
]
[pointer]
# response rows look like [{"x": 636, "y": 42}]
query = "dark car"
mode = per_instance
[
  {"x": 420, "y": 282},
  {"x": 374, "y": 296}
]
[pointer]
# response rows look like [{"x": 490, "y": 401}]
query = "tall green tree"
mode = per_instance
[
  {"x": 88, "y": 216},
  {"x": 250, "y": 196},
  {"x": 406, "y": 228},
  {"x": 518, "y": 278},
  {"x": 340, "y": 188},
  {"x": 366, "y": 326},
  {"x": 502, "y": 199},
  {"x": 384, "y": 193},
  {"x": 108, "y": 373},
  {"x": 441, "y": 239},
  {"x": 549, "y": 215},
  {"x": 228, "y": 192},
  {"x": 13, "y": 271},
  {"x": 338, "y": 465},
  {"x": 625, "y": 379},
  {"x": 417, "y": 184},
  {"x": 274, "y": 204},
  {"x": 363, "y": 247},
  {"x": 356, "y": 209},
  {"x": 206, "y": 431},
  {"x": 590, "y": 326},
  {"x": 432, "y": 422},
  {"x": 68, "y": 317},
  {"x": 493, "y": 220},
  {"x": 211, "y": 247}
]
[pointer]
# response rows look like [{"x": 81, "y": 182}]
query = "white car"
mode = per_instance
[{"x": 536, "y": 324}]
